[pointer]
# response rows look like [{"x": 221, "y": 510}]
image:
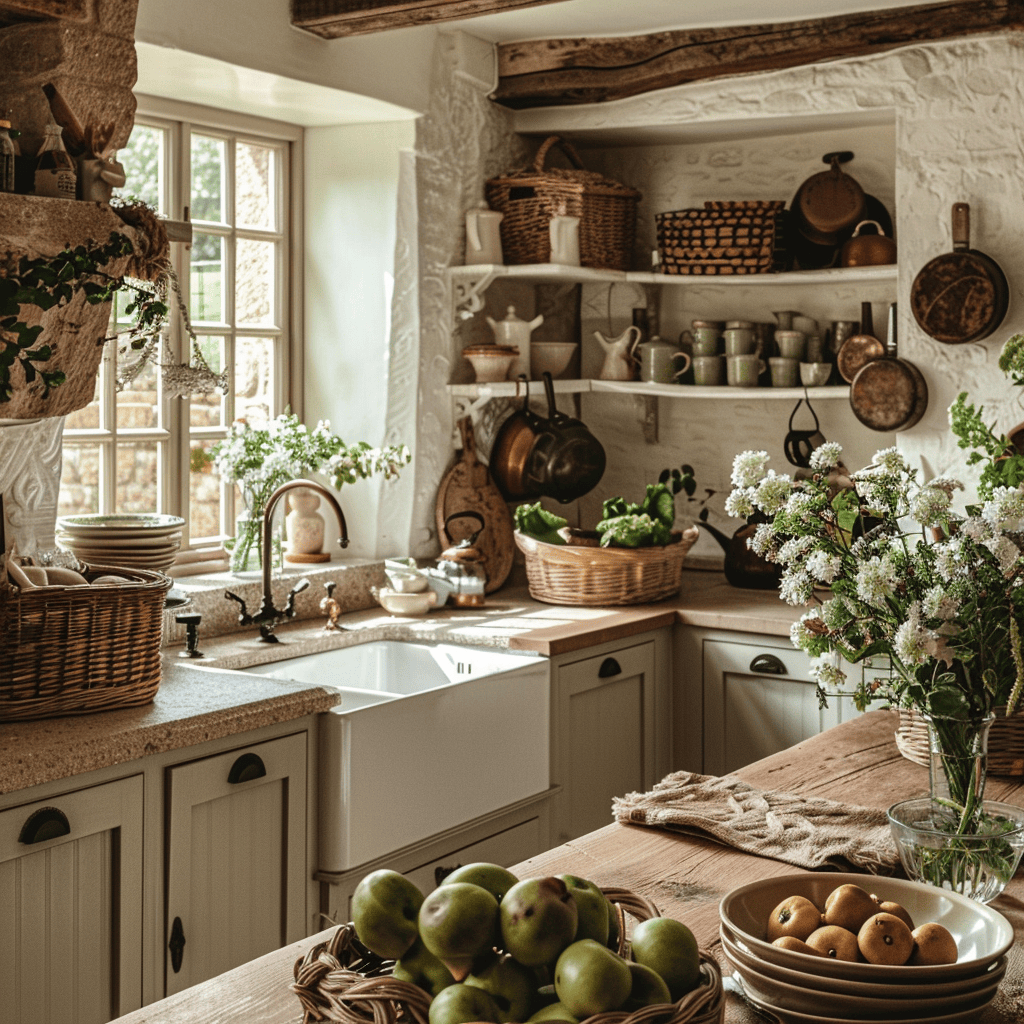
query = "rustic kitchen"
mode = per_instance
[{"x": 594, "y": 297}]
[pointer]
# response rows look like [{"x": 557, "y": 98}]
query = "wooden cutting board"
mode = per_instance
[{"x": 468, "y": 487}]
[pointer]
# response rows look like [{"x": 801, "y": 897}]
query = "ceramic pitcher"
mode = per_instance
[
  {"x": 565, "y": 240},
  {"x": 483, "y": 236},
  {"x": 619, "y": 361},
  {"x": 515, "y": 331}
]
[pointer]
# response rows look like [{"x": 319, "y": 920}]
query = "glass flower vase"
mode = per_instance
[
  {"x": 957, "y": 766},
  {"x": 246, "y": 550}
]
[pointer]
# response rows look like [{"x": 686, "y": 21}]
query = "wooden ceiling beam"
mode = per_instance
[
  {"x": 559, "y": 72},
  {"x": 334, "y": 18}
]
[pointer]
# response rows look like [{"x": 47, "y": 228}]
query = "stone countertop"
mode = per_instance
[{"x": 196, "y": 702}]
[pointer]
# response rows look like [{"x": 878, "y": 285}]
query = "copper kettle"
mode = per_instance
[
  {"x": 462, "y": 564},
  {"x": 868, "y": 250}
]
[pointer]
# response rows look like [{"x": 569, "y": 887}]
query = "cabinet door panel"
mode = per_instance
[
  {"x": 71, "y": 910},
  {"x": 604, "y": 715},
  {"x": 750, "y": 713},
  {"x": 236, "y": 861}
]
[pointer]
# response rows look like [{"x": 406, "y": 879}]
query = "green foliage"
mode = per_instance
[
  {"x": 1002, "y": 464},
  {"x": 534, "y": 521},
  {"x": 634, "y": 530},
  {"x": 52, "y": 281},
  {"x": 683, "y": 479}
]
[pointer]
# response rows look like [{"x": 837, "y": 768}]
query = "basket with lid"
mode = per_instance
[{"x": 531, "y": 196}]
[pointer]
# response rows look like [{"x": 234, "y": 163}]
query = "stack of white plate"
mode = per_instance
[
  {"x": 803, "y": 988},
  {"x": 141, "y": 540}
]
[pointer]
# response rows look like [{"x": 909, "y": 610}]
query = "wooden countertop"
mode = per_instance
[{"x": 685, "y": 876}]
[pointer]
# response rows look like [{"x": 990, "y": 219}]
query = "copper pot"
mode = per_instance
[
  {"x": 868, "y": 250},
  {"x": 829, "y": 202}
]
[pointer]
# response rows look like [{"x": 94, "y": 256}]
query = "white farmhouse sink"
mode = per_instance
[{"x": 426, "y": 737}]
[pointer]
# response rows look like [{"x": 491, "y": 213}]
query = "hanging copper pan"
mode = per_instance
[
  {"x": 829, "y": 203},
  {"x": 963, "y": 295}
]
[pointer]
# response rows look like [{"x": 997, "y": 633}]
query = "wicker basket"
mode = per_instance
[
  {"x": 340, "y": 980},
  {"x": 78, "y": 649},
  {"x": 1005, "y": 741},
  {"x": 529, "y": 198},
  {"x": 570, "y": 574},
  {"x": 723, "y": 238}
]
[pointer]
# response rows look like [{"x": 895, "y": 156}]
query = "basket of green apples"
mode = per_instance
[{"x": 485, "y": 946}]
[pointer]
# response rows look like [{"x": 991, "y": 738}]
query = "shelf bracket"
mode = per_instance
[
  {"x": 647, "y": 414},
  {"x": 469, "y": 294}
]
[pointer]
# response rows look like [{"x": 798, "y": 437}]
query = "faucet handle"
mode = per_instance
[
  {"x": 244, "y": 618},
  {"x": 190, "y": 620}
]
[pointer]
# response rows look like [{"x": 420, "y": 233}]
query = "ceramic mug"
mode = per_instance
[
  {"x": 806, "y": 324},
  {"x": 658, "y": 363},
  {"x": 743, "y": 370},
  {"x": 739, "y": 341},
  {"x": 790, "y": 344},
  {"x": 705, "y": 343},
  {"x": 784, "y": 371},
  {"x": 708, "y": 370}
]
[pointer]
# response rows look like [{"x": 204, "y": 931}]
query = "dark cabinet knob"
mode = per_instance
[
  {"x": 609, "y": 667},
  {"x": 46, "y": 823},
  {"x": 177, "y": 944},
  {"x": 768, "y": 665},
  {"x": 246, "y": 768}
]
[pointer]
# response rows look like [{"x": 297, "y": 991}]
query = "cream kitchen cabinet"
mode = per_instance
[
  {"x": 71, "y": 905},
  {"x": 741, "y": 697},
  {"x": 611, "y": 720},
  {"x": 236, "y": 868}
]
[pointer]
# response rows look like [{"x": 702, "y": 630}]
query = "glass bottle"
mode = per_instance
[
  {"x": 55, "y": 170},
  {"x": 6, "y": 158}
]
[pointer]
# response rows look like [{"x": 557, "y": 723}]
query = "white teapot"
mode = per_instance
[
  {"x": 515, "y": 331},
  {"x": 620, "y": 362}
]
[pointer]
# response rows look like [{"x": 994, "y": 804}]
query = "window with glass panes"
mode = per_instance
[{"x": 138, "y": 449}]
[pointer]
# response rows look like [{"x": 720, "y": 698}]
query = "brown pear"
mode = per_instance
[
  {"x": 933, "y": 945},
  {"x": 884, "y": 939},
  {"x": 796, "y": 916},
  {"x": 849, "y": 907},
  {"x": 888, "y": 907},
  {"x": 835, "y": 942},
  {"x": 796, "y": 946}
]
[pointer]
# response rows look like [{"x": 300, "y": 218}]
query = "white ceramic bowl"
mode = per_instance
[
  {"x": 982, "y": 934},
  {"x": 552, "y": 356},
  {"x": 814, "y": 375},
  {"x": 490, "y": 366},
  {"x": 406, "y": 603}
]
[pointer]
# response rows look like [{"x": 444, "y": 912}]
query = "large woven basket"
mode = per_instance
[
  {"x": 1005, "y": 741},
  {"x": 78, "y": 649},
  {"x": 567, "y": 574},
  {"x": 530, "y": 197},
  {"x": 340, "y": 980}
]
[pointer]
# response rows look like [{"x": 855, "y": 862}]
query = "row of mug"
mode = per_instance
[
  {"x": 745, "y": 338},
  {"x": 744, "y": 369}
]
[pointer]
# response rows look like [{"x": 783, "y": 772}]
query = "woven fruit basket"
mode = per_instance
[
  {"x": 583, "y": 575},
  {"x": 73, "y": 650},
  {"x": 340, "y": 980}
]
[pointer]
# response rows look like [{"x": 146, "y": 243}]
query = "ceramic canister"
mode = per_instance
[
  {"x": 708, "y": 371},
  {"x": 739, "y": 341}
]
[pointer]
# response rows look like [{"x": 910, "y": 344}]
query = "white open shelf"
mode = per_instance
[{"x": 509, "y": 389}]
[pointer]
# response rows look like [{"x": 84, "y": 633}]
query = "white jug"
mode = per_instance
[
  {"x": 515, "y": 331},
  {"x": 619, "y": 362},
  {"x": 483, "y": 236},
  {"x": 565, "y": 240}
]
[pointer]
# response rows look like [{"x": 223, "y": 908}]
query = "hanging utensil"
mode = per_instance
[
  {"x": 963, "y": 295},
  {"x": 829, "y": 202},
  {"x": 510, "y": 452},
  {"x": 889, "y": 393},
  {"x": 859, "y": 348},
  {"x": 799, "y": 445}
]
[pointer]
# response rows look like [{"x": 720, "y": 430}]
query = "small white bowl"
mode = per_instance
[
  {"x": 490, "y": 366},
  {"x": 398, "y": 603},
  {"x": 552, "y": 356},
  {"x": 814, "y": 375}
]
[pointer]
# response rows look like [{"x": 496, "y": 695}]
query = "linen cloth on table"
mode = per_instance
[{"x": 808, "y": 832}]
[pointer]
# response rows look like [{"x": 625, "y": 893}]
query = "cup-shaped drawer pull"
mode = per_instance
[
  {"x": 768, "y": 664},
  {"x": 246, "y": 768},
  {"x": 609, "y": 667},
  {"x": 46, "y": 823}
]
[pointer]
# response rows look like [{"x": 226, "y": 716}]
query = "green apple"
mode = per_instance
[
  {"x": 420, "y": 967},
  {"x": 554, "y": 1011},
  {"x": 668, "y": 947},
  {"x": 385, "y": 909},
  {"x": 458, "y": 922},
  {"x": 511, "y": 985},
  {"x": 649, "y": 988},
  {"x": 591, "y": 907},
  {"x": 590, "y": 978},
  {"x": 460, "y": 1004},
  {"x": 538, "y": 920},
  {"x": 495, "y": 879}
]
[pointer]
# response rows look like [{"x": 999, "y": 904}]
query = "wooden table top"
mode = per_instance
[{"x": 686, "y": 877}]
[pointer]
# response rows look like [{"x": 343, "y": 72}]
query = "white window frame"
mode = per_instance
[{"x": 179, "y": 119}]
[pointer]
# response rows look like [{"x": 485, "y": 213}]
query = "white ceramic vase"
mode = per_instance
[{"x": 304, "y": 524}]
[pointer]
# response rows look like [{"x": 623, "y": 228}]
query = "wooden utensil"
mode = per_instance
[
  {"x": 963, "y": 295},
  {"x": 860, "y": 348},
  {"x": 889, "y": 393},
  {"x": 467, "y": 486}
]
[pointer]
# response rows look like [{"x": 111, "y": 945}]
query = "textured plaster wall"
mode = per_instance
[{"x": 946, "y": 128}]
